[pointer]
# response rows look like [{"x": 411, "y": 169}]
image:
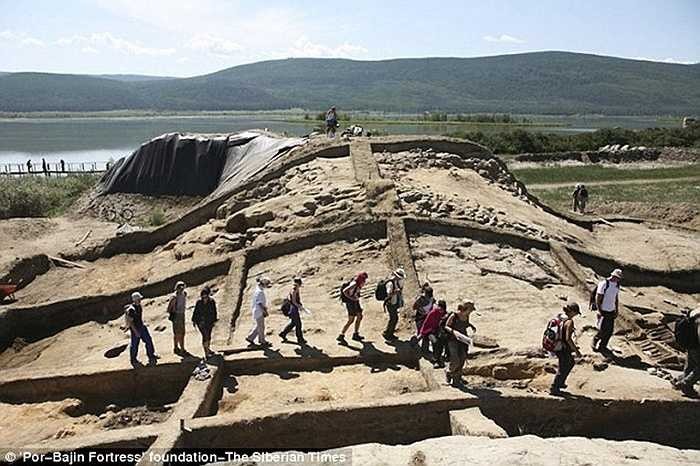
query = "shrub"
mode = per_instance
[
  {"x": 37, "y": 196},
  {"x": 156, "y": 218}
]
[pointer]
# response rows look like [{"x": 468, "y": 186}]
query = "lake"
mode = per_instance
[{"x": 99, "y": 139}]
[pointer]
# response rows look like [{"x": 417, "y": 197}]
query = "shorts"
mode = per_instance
[
  {"x": 353, "y": 308},
  {"x": 179, "y": 324}
]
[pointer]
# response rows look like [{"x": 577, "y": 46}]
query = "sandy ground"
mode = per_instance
[
  {"x": 655, "y": 247},
  {"x": 31, "y": 423},
  {"x": 323, "y": 389},
  {"x": 469, "y": 189},
  {"x": 107, "y": 276},
  {"x": 25, "y": 237},
  {"x": 512, "y": 311},
  {"x": 106, "y": 344},
  {"x": 324, "y": 269}
]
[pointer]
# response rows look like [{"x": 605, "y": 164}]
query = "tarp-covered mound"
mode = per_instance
[{"x": 193, "y": 165}]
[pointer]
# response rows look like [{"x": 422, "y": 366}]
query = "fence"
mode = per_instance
[{"x": 53, "y": 168}]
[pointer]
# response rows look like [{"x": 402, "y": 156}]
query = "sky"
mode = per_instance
[{"x": 194, "y": 37}]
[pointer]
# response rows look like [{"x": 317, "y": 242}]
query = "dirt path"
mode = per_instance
[{"x": 609, "y": 182}]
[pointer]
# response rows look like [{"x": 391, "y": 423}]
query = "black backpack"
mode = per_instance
[
  {"x": 380, "y": 292},
  {"x": 592, "y": 304},
  {"x": 344, "y": 298},
  {"x": 686, "y": 332}
]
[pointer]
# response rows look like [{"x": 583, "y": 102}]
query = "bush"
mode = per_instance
[
  {"x": 37, "y": 196},
  {"x": 520, "y": 141},
  {"x": 156, "y": 218}
]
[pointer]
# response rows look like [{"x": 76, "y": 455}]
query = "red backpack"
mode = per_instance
[{"x": 551, "y": 340}]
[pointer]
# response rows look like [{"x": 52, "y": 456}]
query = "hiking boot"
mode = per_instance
[
  {"x": 266, "y": 344},
  {"x": 389, "y": 336},
  {"x": 555, "y": 391},
  {"x": 341, "y": 340},
  {"x": 250, "y": 342},
  {"x": 457, "y": 382},
  {"x": 688, "y": 390},
  {"x": 152, "y": 362},
  {"x": 302, "y": 341},
  {"x": 283, "y": 337},
  {"x": 136, "y": 363},
  {"x": 357, "y": 337}
]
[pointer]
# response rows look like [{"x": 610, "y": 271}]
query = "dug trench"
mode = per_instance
[{"x": 404, "y": 418}]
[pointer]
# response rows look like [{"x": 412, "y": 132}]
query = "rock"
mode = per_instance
[
  {"x": 159, "y": 328},
  {"x": 325, "y": 199},
  {"x": 311, "y": 206},
  {"x": 499, "y": 373},
  {"x": 111, "y": 408},
  {"x": 237, "y": 223},
  {"x": 259, "y": 218},
  {"x": 600, "y": 366},
  {"x": 222, "y": 211},
  {"x": 472, "y": 422}
]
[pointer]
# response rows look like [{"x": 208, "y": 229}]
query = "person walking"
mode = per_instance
[
  {"x": 393, "y": 302},
  {"x": 430, "y": 332},
  {"x": 294, "y": 313},
  {"x": 582, "y": 198},
  {"x": 331, "y": 122},
  {"x": 458, "y": 341},
  {"x": 204, "y": 317},
  {"x": 422, "y": 306},
  {"x": 44, "y": 167},
  {"x": 350, "y": 294},
  {"x": 176, "y": 314},
  {"x": 29, "y": 166},
  {"x": 686, "y": 381},
  {"x": 259, "y": 310},
  {"x": 607, "y": 305},
  {"x": 139, "y": 331},
  {"x": 566, "y": 345},
  {"x": 63, "y": 166}
]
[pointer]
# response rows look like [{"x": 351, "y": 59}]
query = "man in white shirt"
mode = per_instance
[
  {"x": 259, "y": 311},
  {"x": 393, "y": 302},
  {"x": 608, "y": 304}
]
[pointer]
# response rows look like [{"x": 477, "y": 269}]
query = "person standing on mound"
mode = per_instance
[{"x": 259, "y": 310}]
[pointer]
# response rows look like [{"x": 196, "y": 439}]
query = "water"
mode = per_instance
[{"x": 110, "y": 138}]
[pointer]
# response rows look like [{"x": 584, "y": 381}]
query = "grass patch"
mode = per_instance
[
  {"x": 666, "y": 192},
  {"x": 589, "y": 173},
  {"x": 37, "y": 196},
  {"x": 157, "y": 218}
]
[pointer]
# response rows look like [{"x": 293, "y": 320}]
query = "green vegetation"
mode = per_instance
[
  {"x": 157, "y": 218},
  {"x": 36, "y": 196},
  {"x": 587, "y": 173},
  {"x": 520, "y": 141},
  {"x": 667, "y": 192},
  {"x": 529, "y": 83}
]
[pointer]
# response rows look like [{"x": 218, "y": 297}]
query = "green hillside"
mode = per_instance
[{"x": 543, "y": 82}]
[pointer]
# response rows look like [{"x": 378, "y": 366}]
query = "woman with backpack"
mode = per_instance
[
  {"x": 350, "y": 295},
  {"x": 565, "y": 346},
  {"x": 294, "y": 307},
  {"x": 457, "y": 341},
  {"x": 204, "y": 317},
  {"x": 430, "y": 332}
]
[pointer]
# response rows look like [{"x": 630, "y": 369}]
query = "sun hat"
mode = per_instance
[
  {"x": 573, "y": 306},
  {"x": 617, "y": 273},
  {"x": 264, "y": 282},
  {"x": 298, "y": 281},
  {"x": 468, "y": 306},
  {"x": 179, "y": 283},
  {"x": 401, "y": 273}
]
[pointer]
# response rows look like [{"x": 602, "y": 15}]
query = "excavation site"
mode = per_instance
[{"x": 253, "y": 205}]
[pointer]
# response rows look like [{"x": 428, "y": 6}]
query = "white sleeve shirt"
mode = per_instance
[
  {"x": 259, "y": 303},
  {"x": 609, "y": 295}
]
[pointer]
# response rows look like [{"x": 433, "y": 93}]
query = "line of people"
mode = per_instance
[{"x": 439, "y": 333}]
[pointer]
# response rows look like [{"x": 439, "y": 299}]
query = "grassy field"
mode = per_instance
[
  {"x": 666, "y": 192},
  {"x": 37, "y": 196},
  {"x": 592, "y": 173}
]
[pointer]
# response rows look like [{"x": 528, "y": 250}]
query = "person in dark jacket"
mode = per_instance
[
  {"x": 295, "y": 308},
  {"x": 204, "y": 317}
]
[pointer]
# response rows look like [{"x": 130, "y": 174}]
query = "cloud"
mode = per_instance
[
  {"x": 21, "y": 38},
  {"x": 182, "y": 60},
  {"x": 303, "y": 47},
  {"x": 214, "y": 45},
  {"x": 89, "y": 49},
  {"x": 504, "y": 39},
  {"x": 98, "y": 40}
]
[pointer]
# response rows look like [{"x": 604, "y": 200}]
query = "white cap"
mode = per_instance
[
  {"x": 136, "y": 295},
  {"x": 617, "y": 273},
  {"x": 400, "y": 273}
]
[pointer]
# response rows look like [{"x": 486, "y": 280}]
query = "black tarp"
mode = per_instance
[{"x": 178, "y": 164}]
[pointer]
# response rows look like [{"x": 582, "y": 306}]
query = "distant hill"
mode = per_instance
[
  {"x": 134, "y": 77},
  {"x": 542, "y": 82}
]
